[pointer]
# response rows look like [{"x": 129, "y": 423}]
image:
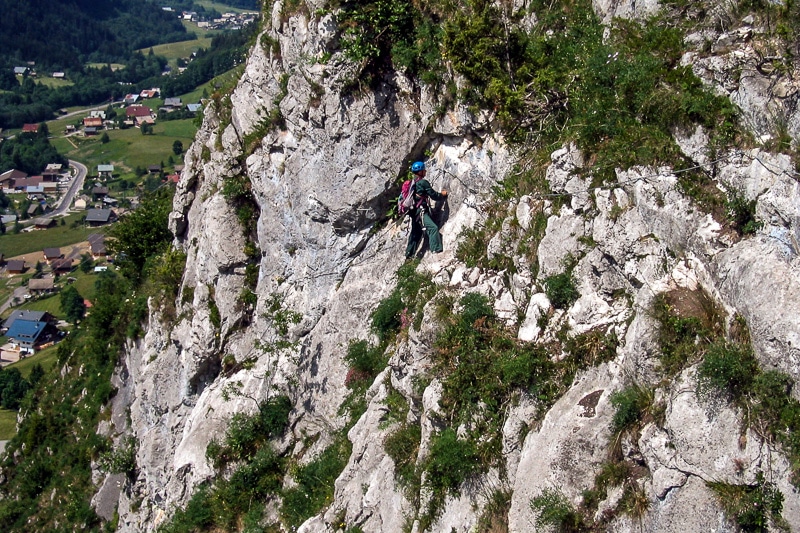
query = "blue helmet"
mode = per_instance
[{"x": 417, "y": 166}]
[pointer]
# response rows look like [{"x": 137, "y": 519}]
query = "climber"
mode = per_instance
[{"x": 421, "y": 216}]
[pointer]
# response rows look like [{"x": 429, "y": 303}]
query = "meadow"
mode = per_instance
[
  {"x": 15, "y": 244},
  {"x": 128, "y": 148}
]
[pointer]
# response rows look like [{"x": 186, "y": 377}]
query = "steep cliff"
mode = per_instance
[{"x": 282, "y": 212}]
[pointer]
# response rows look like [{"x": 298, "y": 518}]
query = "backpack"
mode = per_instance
[{"x": 408, "y": 199}]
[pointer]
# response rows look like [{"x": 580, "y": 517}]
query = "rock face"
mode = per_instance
[{"x": 325, "y": 249}]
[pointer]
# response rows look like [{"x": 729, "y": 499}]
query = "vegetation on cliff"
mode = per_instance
[{"x": 46, "y": 482}]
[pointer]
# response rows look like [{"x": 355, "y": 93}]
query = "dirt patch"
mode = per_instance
[{"x": 697, "y": 303}]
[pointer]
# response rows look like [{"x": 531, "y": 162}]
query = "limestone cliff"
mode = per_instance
[{"x": 323, "y": 183}]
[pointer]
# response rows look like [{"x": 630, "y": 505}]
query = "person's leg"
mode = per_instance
[
  {"x": 434, "y": 239},
  {"x": 414, "y": 236}
]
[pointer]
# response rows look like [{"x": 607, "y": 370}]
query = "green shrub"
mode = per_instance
[
  {"x": 742, "y": 213},
  {"x": 386, "y": 317},
  {"x": 315, "y": 480},
  {"x": 727, "y": 369},
  {"x": 365, "y": 359},
  {"x": 450, "y": 462},
  {"x": 630, "y": 404},
  {"x": 753, "y": 507},
  {"x": 121, "y": 460},
  {"x": 402, "y": 446},
  {"x": 552, "y": 509},
  {"x": 560, "y": 290},
  {"x": 247, "y": 434},
  {"x": 681, "y": 338}
]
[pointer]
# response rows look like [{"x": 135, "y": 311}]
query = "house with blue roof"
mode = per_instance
[{"x": 29, "y": 334}]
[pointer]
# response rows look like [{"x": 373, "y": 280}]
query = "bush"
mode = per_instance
[
  {"x": 681, "y": 338},
  {"x": 553, "y": 509},
  {"x": 402, "y": 446},
  {"x": 315, "y": 483},
  {"x": 727, "y": 369},
  {"x": 753, "y": 507},
  {"x": 630, "y": 405},
  {"x": 742, "y": 213},
  {"x": 561, "y": 290},
  {"x": 247, "y": 434},
  {"x": 366, "y": 360},
  {"x": 451, "y": 462}
]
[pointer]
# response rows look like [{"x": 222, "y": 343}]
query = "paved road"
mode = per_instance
[
  {"x": 102, "y": 107},
  {"x": 19, "y": 293},
  {"x": 74, "y": 188}
]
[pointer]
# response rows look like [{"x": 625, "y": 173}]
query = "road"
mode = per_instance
[
  {"x": 102, "y": 107},
  {"x": 19, "y": 295},
  {"x": 75, "y": 187}
]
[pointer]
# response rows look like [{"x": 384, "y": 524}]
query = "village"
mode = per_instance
[{"x": 42, "y": 274}]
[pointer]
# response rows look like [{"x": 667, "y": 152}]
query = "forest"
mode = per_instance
[
  {"x": 29, "y": 152},
  {"x": 31, "y": 102}
]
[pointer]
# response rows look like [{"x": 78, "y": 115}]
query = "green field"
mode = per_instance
[
  {"x": 222, "y": 8},
  {"x": 47, "y": 358},
  {"x": 128, "y": 148},
  {"x": 53, "y": 83},
  {"x": 8, "y": 424},
  {"x": 114, "y": 66},
  {"x": 51, "y": 304},
  {"x": 174, "y": 51},
  {"x": 12, "y": 245}
]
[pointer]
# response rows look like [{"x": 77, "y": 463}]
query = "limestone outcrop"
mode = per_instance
[{"x": 325, "y": 249}]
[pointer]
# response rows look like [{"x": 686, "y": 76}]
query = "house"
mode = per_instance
[
  {"x": 61, "y": 266},
  {"x": 20, "y": 71},
  {"x": 173, "y": 103},
  {"x": 49, "y": 187},
  {"x": 99, "y": 192},
  {"x": 98, "y": 248},
  {"x": 130, "y": 99},
  {"x": 24, "y": 183},
  {"x": 8, "y": 220},
  {"x": 31, "y": 316},
  {"x": 89, "y": 131},
  {"x": 15, "y": 267},
  {"x": 30, "y": 128},
  {"x": 144, "y": 120},
  {"x": 9, "y": 177},
  {"x": 173, "y": 178},
  {"x": 59, "y": 75},
  {"x": 150, "y": 93},
  {"x": 97, "y": 113},
  {"x": 41, "y": 286},
  {"x": 44, "y": 223},
  {"x": 81, "y": 203},
  {"x": 52, "y": 172},
  {"x": 93, "y": 122},
  {"x": 194, "y": 108},
  {"x": 99, "y": 217},
  {"x": 105, "y": 171},
  {"x": 134, "y": 111},
  {"x": 109, "y": 202},
  {"x": 34, "y": 209},
  {"x": 30, "y": 334},
  {"x": 51, "y": 254}
]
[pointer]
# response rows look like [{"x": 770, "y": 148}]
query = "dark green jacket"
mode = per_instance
[{"x": 424, "y": 189}]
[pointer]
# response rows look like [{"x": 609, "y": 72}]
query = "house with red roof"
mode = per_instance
[
  {"x": 134, "y": 111},
  {"x": 30, "y": 128}
]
